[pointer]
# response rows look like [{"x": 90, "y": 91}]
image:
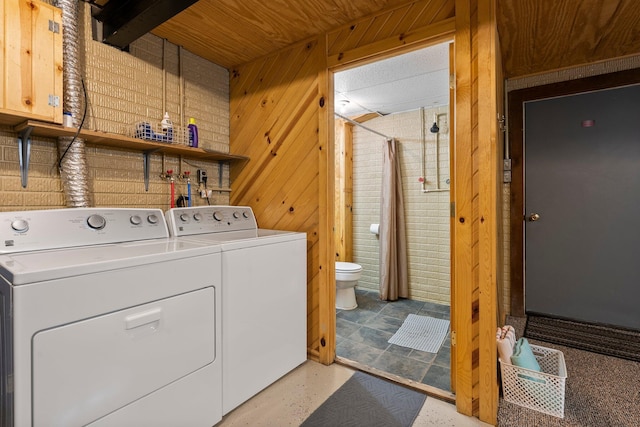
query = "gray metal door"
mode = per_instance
[{"x": 582, "y": 207}]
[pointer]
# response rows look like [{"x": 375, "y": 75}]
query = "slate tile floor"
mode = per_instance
[{"x": 362, "y": 335}]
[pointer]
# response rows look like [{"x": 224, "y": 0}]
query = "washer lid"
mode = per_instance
[
  {"x": 348, "y": 267},
  {"x": 30, "y": 267}
]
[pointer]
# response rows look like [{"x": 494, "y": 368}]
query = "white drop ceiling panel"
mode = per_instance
[{"x": 401, "y": 83}]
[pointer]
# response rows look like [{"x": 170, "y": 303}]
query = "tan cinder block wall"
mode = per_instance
[
  {"x": 124, "y": 88},
  {"x": 426, "y": 214}
]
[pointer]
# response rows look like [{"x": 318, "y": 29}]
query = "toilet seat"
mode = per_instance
[
  {"x": 348, "y": 271},
  {"x": 347, "y": 267}
]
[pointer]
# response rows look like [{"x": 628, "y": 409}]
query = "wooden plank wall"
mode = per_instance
[
  {"x": 490, "y": 206},
  {"x": 463, "y": 283},
  {"x": 412, "y": 24},
  {"x": 278, "y": 121},
  {"x": 274, "y": 119},
  {"x": 478, "y": 150},
  {"x": 343, "y": 218}
]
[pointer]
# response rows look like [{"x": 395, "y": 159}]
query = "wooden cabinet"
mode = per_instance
[{"x": 31, "y": 58}]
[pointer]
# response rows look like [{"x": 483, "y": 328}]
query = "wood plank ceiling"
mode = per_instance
[
  {"x": 535, "y": 35},
  {"x": 231, "y": 32},
  {"x": 543, "y": 35}
]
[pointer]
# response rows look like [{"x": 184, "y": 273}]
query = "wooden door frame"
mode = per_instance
[
  {"x": 445, "y": 38},
  {"x": 516, "y": 100}
]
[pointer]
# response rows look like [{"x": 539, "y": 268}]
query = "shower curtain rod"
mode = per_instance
[{"x": 362, "y": 126}]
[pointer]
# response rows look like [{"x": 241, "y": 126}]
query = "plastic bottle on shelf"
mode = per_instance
[
  {"x": 167, "y": 128},
  {"x": 67, "y": 119},
  {"x": 193, "y": 133}
]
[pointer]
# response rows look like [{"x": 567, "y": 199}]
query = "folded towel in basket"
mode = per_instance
[{"x": 523, "y": 356}]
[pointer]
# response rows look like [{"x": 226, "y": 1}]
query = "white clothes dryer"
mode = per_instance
[
  {"x": 264, "y": 297},
  {"x": 99, "y": 324}
]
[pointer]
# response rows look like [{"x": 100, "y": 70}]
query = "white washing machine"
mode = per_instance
[
  {"x": 105, "y": 321},
  {"x": 264, "y": 296}
]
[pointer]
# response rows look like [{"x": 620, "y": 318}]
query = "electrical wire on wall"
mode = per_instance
[
  {"x": 84, "y": 116},
  {"x": 73, "y": 168}
]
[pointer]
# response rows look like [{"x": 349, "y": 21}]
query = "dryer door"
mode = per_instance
[{"x": 88, "y": 369}]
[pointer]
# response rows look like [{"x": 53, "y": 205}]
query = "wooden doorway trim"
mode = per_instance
[{"x": 516, "y": 100}]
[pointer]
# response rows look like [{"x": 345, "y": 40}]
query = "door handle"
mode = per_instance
[{"x": 533, "y": 217}]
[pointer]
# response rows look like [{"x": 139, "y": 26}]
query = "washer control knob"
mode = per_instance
[
  {"x": 184, "y": 217},
  {"x": 236, "y": 215},
  {"x": 135, "y": 220},
  {"x": 153, "y": 219},
  {"x": 197, "y": 217},
  {"x": 217, "y": 216},
  {"x": 97, "y": 222},
  {"x": 245, "y": 214},
  {"x": 20, "y": 225}
]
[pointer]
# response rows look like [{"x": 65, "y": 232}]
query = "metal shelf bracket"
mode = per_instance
[
  {"x": 220, "y": 173},
  {"x": 146, "y": 164},
  {"x": 24, "y": 153}
]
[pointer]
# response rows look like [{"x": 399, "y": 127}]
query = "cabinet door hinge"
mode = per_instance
[
  {"x": 453, "y": 209},
  {"x": 54, "y": 100},
  {"x": 453, "y": 338},
  {"x": 54, "y": 26}
]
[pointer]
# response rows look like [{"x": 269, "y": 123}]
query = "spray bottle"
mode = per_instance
[{"x": 193, "y": 133}]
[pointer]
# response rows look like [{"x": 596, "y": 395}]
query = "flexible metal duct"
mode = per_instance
[{"x": 73, "y": 166}]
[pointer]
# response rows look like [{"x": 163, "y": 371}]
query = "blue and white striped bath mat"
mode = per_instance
[{"x": 421, "y": 333}]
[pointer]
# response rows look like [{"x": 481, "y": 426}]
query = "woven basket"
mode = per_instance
[{"x": 540, "y": 391}]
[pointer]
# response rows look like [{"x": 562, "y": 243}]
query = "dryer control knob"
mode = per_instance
[
  {"x": 135, "y": 220},
  {"x": 217, "y": 216},
  {"x": 153, "y": 219},
  {"x": 245, "y": 214},
  {"x": 20, "y": 225},
  {"x": 97, "y": 222},
  {"x": 236, "y": 215},
  {"x": 197, "y": 217},
  {"x": 184, "y": 217}
]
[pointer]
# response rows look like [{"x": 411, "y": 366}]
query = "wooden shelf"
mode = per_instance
[
  {"x": 121, "y": 141},
  {"x": 30, "y": 128}
]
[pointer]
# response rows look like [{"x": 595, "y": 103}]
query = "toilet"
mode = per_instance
[{"x": 347, "y": 275}]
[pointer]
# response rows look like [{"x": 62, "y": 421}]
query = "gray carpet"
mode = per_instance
[
  {"x": 601, "y": 391},
  {"x": 368, "y": 401}
]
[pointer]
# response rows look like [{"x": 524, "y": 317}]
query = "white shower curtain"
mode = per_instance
[{"x": 393, "y": 245}]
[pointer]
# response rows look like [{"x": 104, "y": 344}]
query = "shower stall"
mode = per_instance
[
  {"x": 424, "y": 163},
  {"x": 364, "y": 334}
]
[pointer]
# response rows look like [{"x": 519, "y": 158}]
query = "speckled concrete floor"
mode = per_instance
[{"x": 290, "y": 400}]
